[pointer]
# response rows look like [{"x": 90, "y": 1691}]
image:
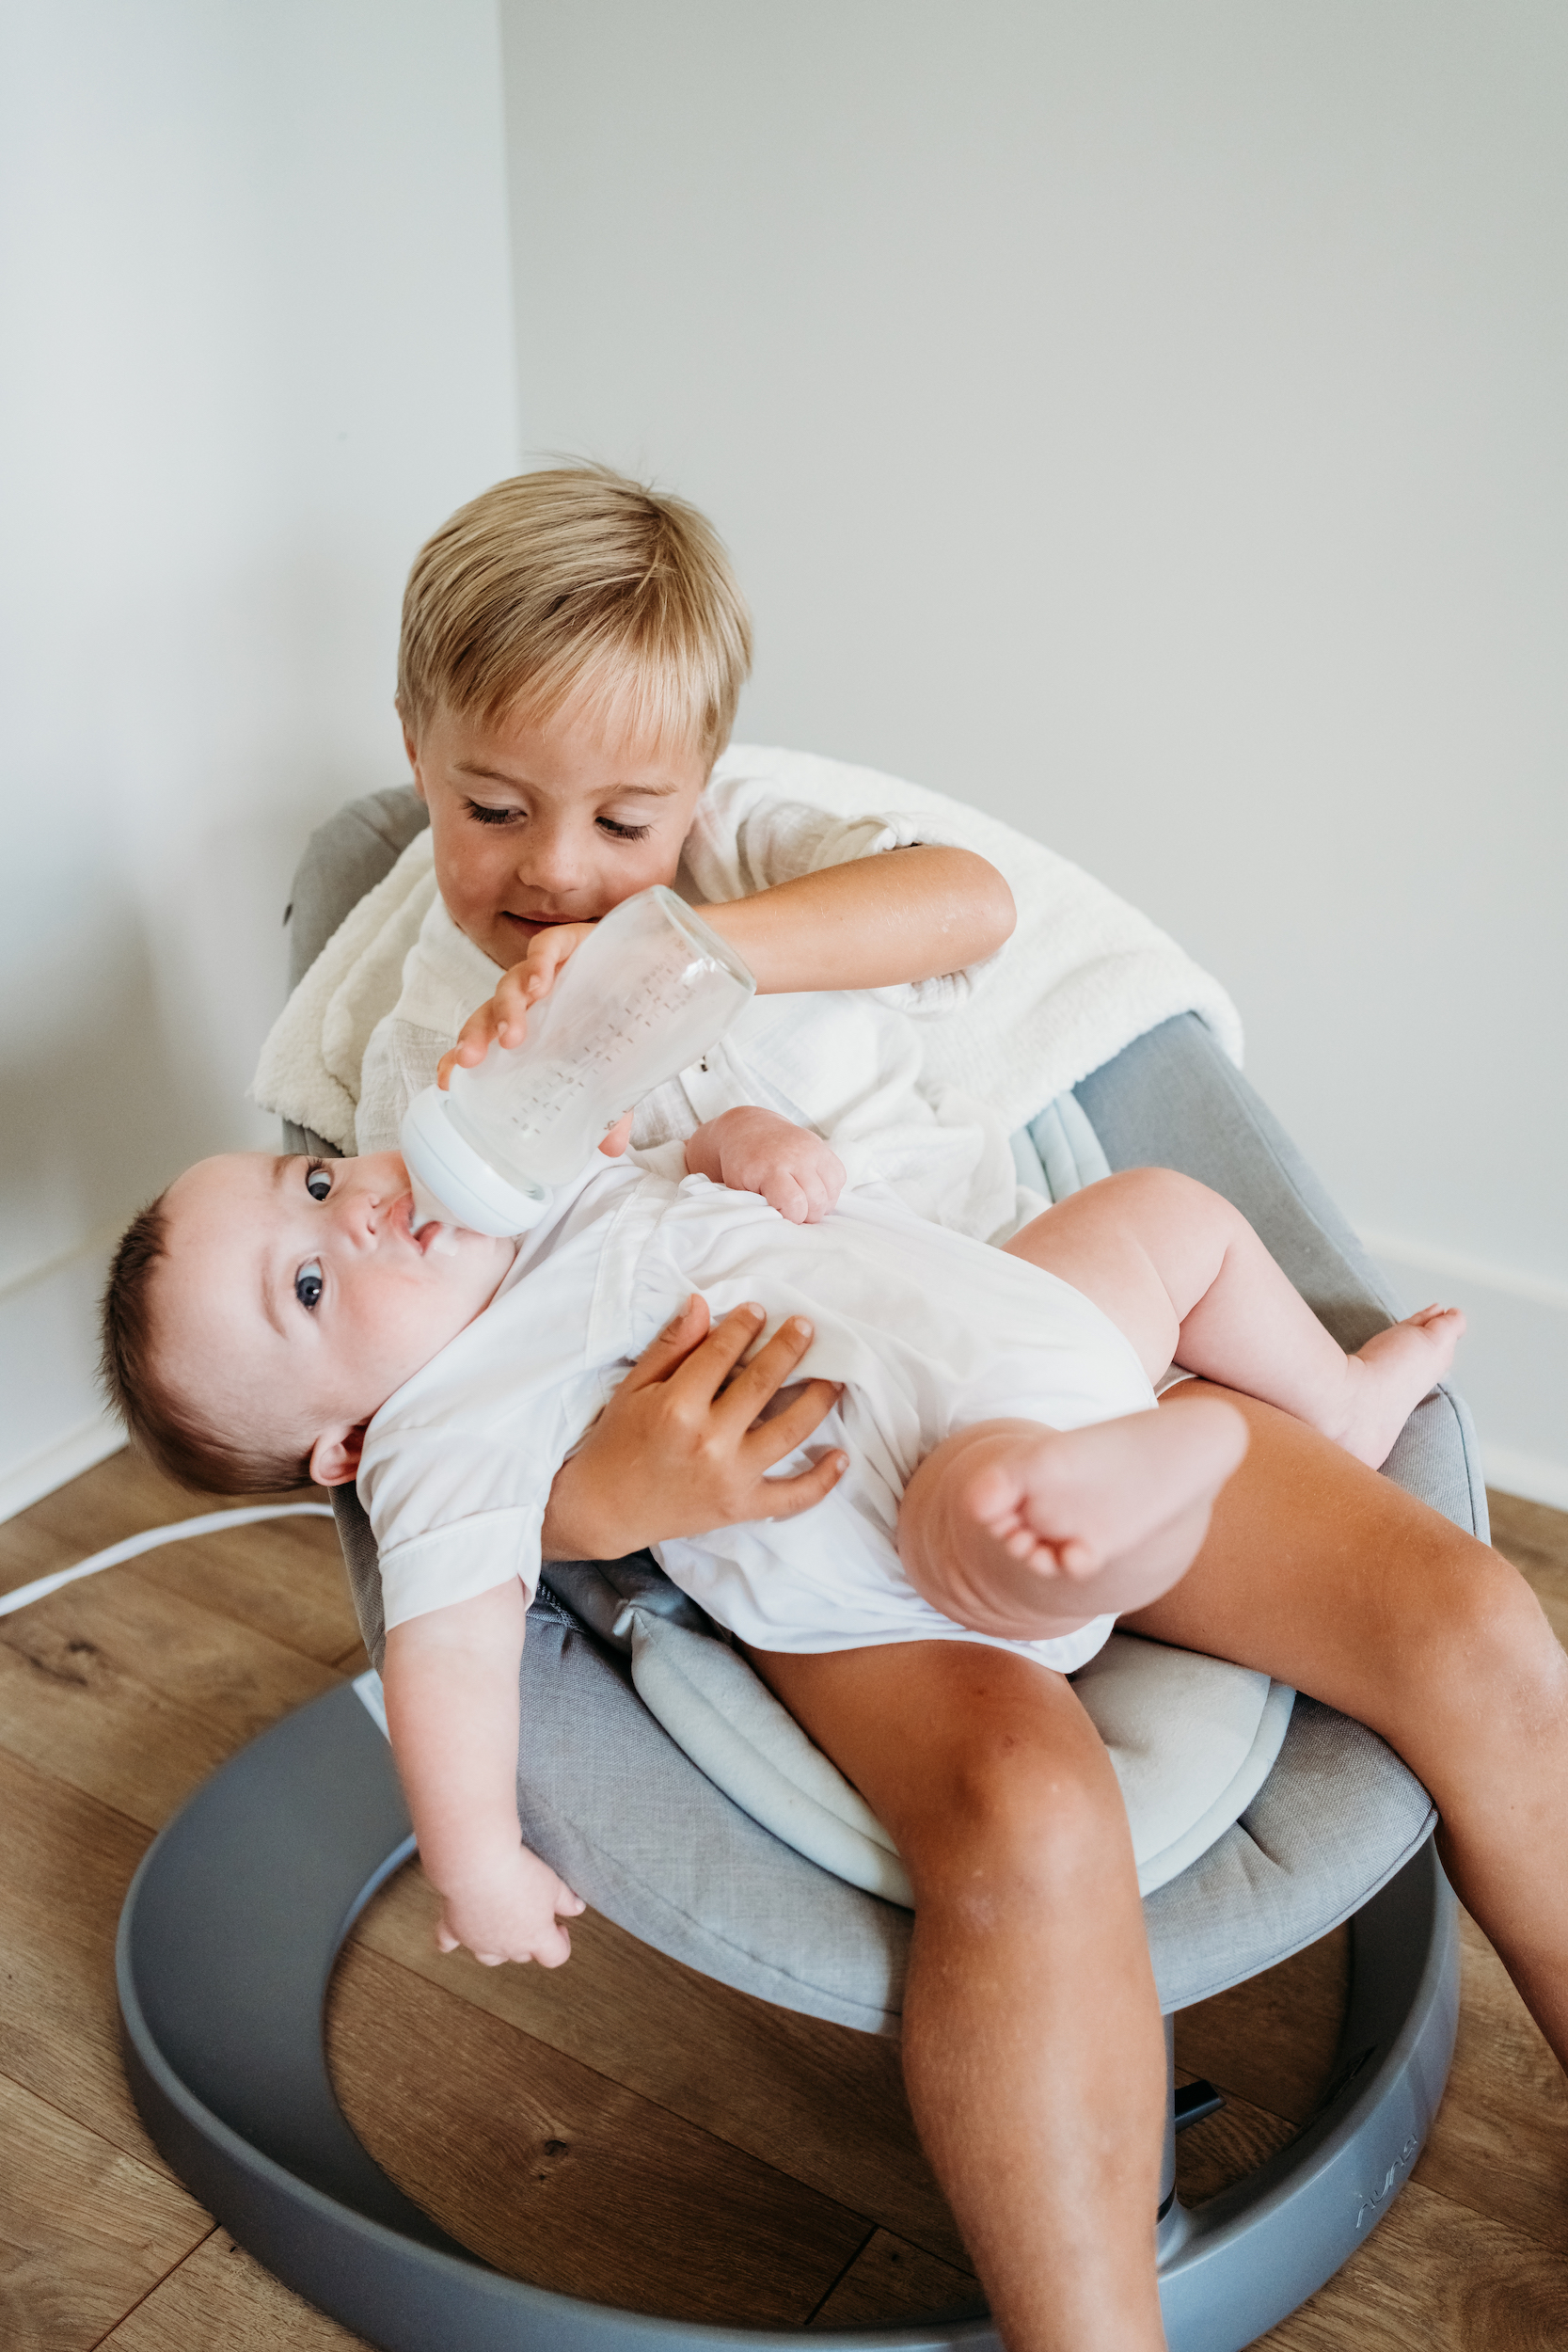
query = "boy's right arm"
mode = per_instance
[
  {"x": 451, "y": 1682},
  {"x": 679, "y": 1449}
]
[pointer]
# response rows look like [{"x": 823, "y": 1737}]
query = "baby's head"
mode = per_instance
[
  {"x": 263, "y": 1309},
  {"x": 573, "y": 646}
]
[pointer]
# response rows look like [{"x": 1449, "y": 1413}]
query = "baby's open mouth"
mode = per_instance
[{"x": 401, "y": 1221}]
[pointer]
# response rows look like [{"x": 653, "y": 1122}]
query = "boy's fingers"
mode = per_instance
[
  {"x": 768, "y": 1369},
  {"x": 786, "y": 1498},
  {"x": 672, "y": 1345},
  {"x": 473, "y": 1043},
  {"x": 708, "y": 1367},
  {"x": 772, "y": 1440}
]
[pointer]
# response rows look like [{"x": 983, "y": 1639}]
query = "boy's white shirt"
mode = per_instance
[{"x": 931, "y": 1076}]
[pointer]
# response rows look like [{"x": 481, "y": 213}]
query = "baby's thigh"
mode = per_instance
[{"x": 1111, "y": 1241}]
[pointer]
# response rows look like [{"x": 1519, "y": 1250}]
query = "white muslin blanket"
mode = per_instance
[{"x": 1082, "y": 976}]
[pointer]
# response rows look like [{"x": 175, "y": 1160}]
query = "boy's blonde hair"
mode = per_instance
[{"x": 577, "y": 586}]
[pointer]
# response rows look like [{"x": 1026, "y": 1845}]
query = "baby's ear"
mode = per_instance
[{"x": 335, "y": 1459}]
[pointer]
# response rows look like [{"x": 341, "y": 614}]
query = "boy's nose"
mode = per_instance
[{"x": 550, "y": 861}]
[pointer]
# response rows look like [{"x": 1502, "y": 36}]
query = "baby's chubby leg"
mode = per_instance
[
  {"x": 1023, "y": 1532},
  {"x": 1183, "y": 1275}
]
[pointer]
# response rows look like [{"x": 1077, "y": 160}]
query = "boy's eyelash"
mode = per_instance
[{"x": 482, "y": 815}]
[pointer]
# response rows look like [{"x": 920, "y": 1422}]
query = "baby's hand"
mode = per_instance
[
  {"x": 506, "y": 1014},
  {"x": 756, "y": 1151},
  {"x": 511, "y": 1914}
]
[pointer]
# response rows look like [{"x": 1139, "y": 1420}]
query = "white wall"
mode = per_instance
[
  {"x": 1146, "y": 421},
  {"x": 257, "y": 342}
]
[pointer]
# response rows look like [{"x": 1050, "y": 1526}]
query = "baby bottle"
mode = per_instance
[{"x": 647, "y": 994}]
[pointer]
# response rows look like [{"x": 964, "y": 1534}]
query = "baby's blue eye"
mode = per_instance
[
  {"x": 318, "y": 1184},
  {"x": 309, "y": 1285}
]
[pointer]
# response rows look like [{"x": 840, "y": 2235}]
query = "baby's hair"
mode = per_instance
[
  {"x": 162, "y": 1423},
  {"x": 576, "y": 586}
]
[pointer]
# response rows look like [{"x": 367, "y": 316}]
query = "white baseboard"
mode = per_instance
[
  {"x": 1513, "y": 1366},
  {"x": 53, "y": 1425}
]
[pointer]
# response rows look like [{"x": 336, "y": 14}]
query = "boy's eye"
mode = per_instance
[
  {"x": 625, "y": 832},
  {"x": 483, "y": 816},
  {"x": 309, "y": 1285},
  {"x": 318, "y": 1180}
]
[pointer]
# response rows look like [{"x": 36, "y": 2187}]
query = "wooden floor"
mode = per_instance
[{"x": 622, "y": 2127}]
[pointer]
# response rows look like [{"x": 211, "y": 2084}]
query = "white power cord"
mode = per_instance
[{"x": 209, "y": 1523}]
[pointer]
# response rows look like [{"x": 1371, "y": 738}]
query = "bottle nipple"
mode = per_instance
[{"x": 429, "y": 1211}]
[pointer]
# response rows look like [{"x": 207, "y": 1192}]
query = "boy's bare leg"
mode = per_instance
[
  {"x": 1334, "y": 1579},
  {"x": 1026, "y": 1532},
  {"x": 1183, "y": 1275},
  {"x": 1032, "y": 2042}
]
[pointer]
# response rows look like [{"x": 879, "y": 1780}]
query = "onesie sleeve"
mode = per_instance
[
  {"x": 747, "y": 838},
  {"x": 456, "y": 1562}
]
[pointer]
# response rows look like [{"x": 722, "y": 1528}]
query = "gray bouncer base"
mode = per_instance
[{"x": 226, "y": 1943}]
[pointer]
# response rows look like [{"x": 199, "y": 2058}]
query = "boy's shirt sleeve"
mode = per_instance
[{"x": 748, "y": 836}]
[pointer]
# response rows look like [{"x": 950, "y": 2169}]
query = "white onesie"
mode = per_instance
[{"x": 929, "y": 1330}]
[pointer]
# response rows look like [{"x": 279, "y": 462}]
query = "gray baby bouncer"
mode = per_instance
[{"x": 1304, "y": 1820}]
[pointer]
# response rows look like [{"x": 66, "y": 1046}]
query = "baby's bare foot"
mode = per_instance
[
  {"x": 1386, "y": 1379},
  {"x": 1106, "y": 1518}
]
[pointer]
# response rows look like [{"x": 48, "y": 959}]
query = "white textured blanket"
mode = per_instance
[{"x": 1082, "y": 976}]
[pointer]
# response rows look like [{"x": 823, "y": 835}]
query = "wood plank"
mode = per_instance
[
  {"x": 65, "y": 1863},
  {"x": 85, "y": 2231},
  {"x": 117, "y": 1497},
  {"x": 284, "y": 1578},
  {"x": 220, "y": 2300},
  {"x": 1535, "y": 1538},
  {"x": 554, "y": 2173},
  {"x": 818, "y": 2101},
  {"x": 1437, "y": 2275},
  {"x": 1226, "y": 2147},
  {"x": 135, "y": 1695},
  {"x": 891, "y": 2284},
  {"x": 1272, "y": 2041},
  {"x": 1500, "y": 2142}
]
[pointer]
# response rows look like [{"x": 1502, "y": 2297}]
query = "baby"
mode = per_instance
[{"x": 1003, "y": 1479}]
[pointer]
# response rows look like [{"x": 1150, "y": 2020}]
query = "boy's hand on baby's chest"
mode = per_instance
[{"x": 513, "y": 1911}]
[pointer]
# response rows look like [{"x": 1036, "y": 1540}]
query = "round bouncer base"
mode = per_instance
[{"x": 227, "y": 1942}]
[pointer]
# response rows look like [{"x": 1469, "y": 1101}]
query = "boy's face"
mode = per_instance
[
  {"x": 558, "y": 823},
  {"x": 296, "y": 1296}
]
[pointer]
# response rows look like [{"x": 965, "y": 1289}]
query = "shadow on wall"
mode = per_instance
[{"x": 91, "y": 1079}]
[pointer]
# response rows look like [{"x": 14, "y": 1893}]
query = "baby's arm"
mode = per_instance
[
  {"x": 450, "y": 1680},
  {"x": 755, "y": 1150}
]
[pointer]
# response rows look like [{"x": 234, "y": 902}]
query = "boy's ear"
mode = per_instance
[{"x": 335, "y": 1459}]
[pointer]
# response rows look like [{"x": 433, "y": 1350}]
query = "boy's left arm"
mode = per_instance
[
  {"x": 903, "y": 914},
  {"x": 872, "y": 922}
]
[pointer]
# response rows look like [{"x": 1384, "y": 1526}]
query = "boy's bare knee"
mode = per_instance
[
  {"x": 1020, "y": 1824},
  {"x": 1487, "y": 1654}
]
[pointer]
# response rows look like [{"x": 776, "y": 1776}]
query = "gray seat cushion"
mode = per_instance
[{"x": 628, "y": 1819}]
